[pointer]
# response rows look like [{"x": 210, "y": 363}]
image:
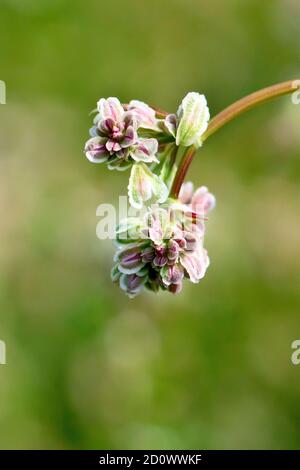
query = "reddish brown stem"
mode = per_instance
[
  {"x": 249, "y": 102},
  {"x": 182, "y": 170},
  {"x": 225, "y": 116}
]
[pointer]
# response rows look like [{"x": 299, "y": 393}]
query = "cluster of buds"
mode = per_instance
[{"x": 164, "y": 245}]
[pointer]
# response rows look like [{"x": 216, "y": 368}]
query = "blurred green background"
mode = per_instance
[{"x": 86, "y": 366}]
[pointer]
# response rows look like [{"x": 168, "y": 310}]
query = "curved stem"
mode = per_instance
[
  {"x": 160, "y": 113},
  {"x": 225, "y": 116},
  {"x": 249, "y": 102}
]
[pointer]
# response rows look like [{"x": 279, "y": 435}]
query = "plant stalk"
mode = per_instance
[
  {"x": 182, "y": 170},
  {"x": 249, "y": 102},
  {"x": 227, "y": 115}
]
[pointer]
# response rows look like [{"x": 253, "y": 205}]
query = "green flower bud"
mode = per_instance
[
  {"x": 193, "y": 117},
  {"x": 144, "y": 185}
]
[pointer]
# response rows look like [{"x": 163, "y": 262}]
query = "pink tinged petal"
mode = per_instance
[
  {"x": 195, "y": 264},
  {"x": 203, "y": 201},
  {"x": 173, "y": 251},
  {"x": 116, "y": 109},
  {"x": 182, "y": 243},
  {"x": 172, "y": 274},
  {"x": 116, "y": 134},
  {"x": 131, "y": 119},
  {"x": 177, "y": 274},
  {"x": 135, "y": 283},
  {"x": 112, "y": 146},
  {"x": 160, "y": 261},
  {"x": 110, "y": 108},
  {"x": 142, "y": 108},
  {"x": 147, "y": 255},
  {"x": 191, "y": 266},
  {"x": 130, "y": 261},
  {"x": 145, "y": 114},
  {"x": 145, "y": 151},
  {"x": 192, "y": 243},
  {"x": 130, "y": 137},
  {"x": 179, "y": 238},
  {"x": 132, "y": 284},
  {"x": 156, "y": 232},
  {"x": 130, "y": 258},
  {"x": 95, "y": 150},
  {"x": 106, "y": 126},
  {"x": 158, "y": 223},
  {"x": 103, "y": 108},
  {"x": 186, "y": 192}
]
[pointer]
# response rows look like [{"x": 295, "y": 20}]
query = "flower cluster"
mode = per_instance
[
  {"x": 158, "y": 251},
  {"x": 115, "y": 138},
  {"x": 165, "y": 245}
]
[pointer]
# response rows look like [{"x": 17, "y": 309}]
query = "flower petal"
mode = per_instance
[
  {"x": 113, "y": 146},
  {"x": 110, "y": 108},
  {"x": 146, "y": 115},
  {"x": 186, "y": 192},
  {"x": 158, "y": 224},
  {"x": 173, "y": 251},
  {"x": 130, "y": 137},
  {"x": 145, "y": 151},
  {"x": 96, "y": 151},
  {"x": 130, "y": 260},
  {"x": 148, "y": 254},
  {"x": 172, "y": 274},
  {"x": 160, "y": 260},
  {"x": 106, "y": 126},
  {"x": 203, "y": 201},
  {"x": 132, "y": 284},
  {"x": 195, "y": 264},
  {"x": 131, "y": 119}
]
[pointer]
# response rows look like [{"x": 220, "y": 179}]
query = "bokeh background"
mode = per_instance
[{"x": 86, "y": 366}]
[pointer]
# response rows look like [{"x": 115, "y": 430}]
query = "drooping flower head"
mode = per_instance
[{"x": 162, "y": 249}]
